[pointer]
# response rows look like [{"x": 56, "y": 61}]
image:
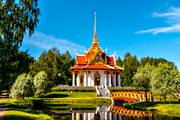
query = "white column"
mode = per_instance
[
  {"x": 114, "y": 79},
  {"x": 77, "y": 80},
  {"x": 92, "y": 80},
  {"x": 85, "y": 79},
  {"x": 72, "y": 116},
  {"x": 73, "y": 79},
  {"x": 89, "y": 116},
  {"x": 105, "y": 79},
  {"x": 119, "y": 81},
  {"x": 77, "y": 116},
  {"x": 110, "y": 116},
  {"x": 105, "y": 115},
  {"x": 89, "y": 79},
  {"x": 84, "y": 116},
  {"x": 109, "y": 79}
]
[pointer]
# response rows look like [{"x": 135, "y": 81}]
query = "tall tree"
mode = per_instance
[
  {"x": 119, "y": 62},
  {"x": 143, "y": 77},
  {"x": 155, "y": 61},
  {"x": 165, "y": 81},
  {"x": 56, "y": 66},
  {"x": 130, "y": 64},
  {"x": 17, "y": 17}
]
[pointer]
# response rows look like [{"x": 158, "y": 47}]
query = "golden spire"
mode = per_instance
[
  {"x": 95, "y": 35},
  {"x": 95, "y": 44}
]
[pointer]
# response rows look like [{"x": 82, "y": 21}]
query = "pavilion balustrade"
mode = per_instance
[{"x": 135, "y": 96}]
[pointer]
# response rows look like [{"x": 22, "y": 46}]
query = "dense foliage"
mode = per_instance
[
  {"x": 131, "y": 65},
  {"x": 143, "y": 76},
  {"x": 56, "y": 65},
  {"x": 40, "y": 83},
  {"x": 23, "y": 87},
  {"x": 165, "y": 81},
  {"x": 17, "y": 17}
]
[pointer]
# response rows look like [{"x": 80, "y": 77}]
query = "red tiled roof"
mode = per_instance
[
  {"x": 88, "y": 56},
  {"x": 97, "y": 67},
  {"x": 77, "y": 67},
  {"x": 81, "y": 60},
  {"x": 118, "y": 68},
  {"x": 110, "y": 60}
]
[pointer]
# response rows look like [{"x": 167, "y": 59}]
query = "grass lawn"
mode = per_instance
[
  {"x": 55, "y": 100},
  {"x": 166, "y": 109},
  {"x": 19, "y": 115},
  {"x": 83, "y": 96},
  {"x": 170, "y": 109},
  {"x": 67, "y": 94}
]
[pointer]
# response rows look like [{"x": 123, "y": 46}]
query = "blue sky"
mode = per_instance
[{"x": 141, "y": 27}]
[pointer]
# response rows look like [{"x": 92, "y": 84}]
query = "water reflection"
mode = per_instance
[{"x": 109, "y": 113}]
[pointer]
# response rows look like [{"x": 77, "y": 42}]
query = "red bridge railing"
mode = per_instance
[{"x": 135, "y": 96}]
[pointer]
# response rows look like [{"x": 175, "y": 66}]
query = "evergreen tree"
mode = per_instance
[
  {"x": 119, "y": 62},
  {"x": 56, "y": 66},
  {"x": 130, "y": 64}
]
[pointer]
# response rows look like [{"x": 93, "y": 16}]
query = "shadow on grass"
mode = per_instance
[
  {"x": 55, "y": 96},
  {"x": 16, "y": 117}
]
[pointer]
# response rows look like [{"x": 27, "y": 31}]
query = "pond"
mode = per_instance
[{"x": 89, "y": 112}]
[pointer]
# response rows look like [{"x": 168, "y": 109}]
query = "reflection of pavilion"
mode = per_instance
[
  {"x": 110, "y": 113},
  {"x": 101, "y": 113},
  {"x": 96, "y": 116}
]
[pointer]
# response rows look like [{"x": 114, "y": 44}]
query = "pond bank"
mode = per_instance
[{"x": 170, "y": 109}]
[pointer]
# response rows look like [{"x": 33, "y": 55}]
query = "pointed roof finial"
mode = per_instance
[{"x": 95, "y": 36}]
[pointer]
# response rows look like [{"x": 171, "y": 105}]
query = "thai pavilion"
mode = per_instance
[{"x": 95, "y": 68}]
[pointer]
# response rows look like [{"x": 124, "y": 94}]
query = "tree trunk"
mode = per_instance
[
  {"x": 164, "y": 98},
  {"x": 152, "y": 98}
]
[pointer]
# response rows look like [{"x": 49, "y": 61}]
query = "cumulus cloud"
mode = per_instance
[
  {"x": 41, "y": 40},
  {"x": 172, "y": 18}
]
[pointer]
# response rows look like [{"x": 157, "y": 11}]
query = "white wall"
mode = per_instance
[{"x": 90, "y": 77}]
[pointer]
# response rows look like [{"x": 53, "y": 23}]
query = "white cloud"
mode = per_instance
[
  {"x": 172, "y": 18},
  {"x": 174, "y": 28},
  {"x": 46, "y": 42}
]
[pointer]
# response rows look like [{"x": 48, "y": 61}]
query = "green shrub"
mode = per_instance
[
  {"x": 23, "y": 87},
  {"x": 40, "y": 83}
]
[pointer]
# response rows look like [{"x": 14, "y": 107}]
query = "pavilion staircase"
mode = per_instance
[{"x": 102, "y": 91}]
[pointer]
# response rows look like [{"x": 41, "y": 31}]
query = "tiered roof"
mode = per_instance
[{"x": 95, "y": 58}]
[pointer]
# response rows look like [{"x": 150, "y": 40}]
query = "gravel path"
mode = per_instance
[{"x": 3, "y": 108}]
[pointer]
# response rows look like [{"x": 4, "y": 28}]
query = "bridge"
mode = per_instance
[{"x": 134, "y": 96}]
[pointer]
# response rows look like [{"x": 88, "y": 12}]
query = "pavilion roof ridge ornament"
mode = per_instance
[
  {"x": 95, "y": 45},
  {"x": 95, "y": 35}
]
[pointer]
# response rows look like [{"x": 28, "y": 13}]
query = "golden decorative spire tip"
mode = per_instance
[{"x": 95, "y": 36}]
